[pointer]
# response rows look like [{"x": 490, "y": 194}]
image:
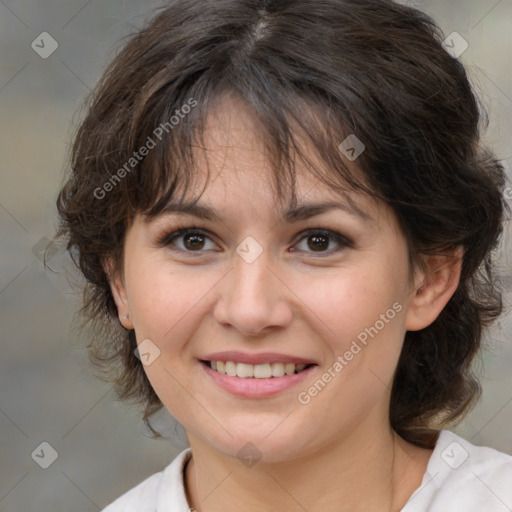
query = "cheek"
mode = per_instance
[
  {"x": 350, "y": 300},
  {"x": 161, "y": 296},
  {"x": 361, "y": 313},
  {"x": 364, "y": 316},
  {"x": 166, "y": 303}
]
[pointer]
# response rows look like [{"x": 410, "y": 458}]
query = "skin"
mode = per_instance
[{"x": 310, "y": 303}]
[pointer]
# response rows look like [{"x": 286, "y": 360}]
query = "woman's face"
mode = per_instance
[{"x": 256, "y": 283}]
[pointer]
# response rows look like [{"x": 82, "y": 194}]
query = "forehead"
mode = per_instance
[
  {"x": 231, "y": 165},
  {"x": 232, "y": 174}
]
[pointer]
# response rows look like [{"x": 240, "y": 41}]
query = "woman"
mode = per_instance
[{"x": 285, "y": 218}]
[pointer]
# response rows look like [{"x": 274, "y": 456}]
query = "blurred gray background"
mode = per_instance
[{"x": 47, "y": 391}]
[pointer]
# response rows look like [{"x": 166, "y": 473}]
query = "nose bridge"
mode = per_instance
[
  {"x": 251, "y": 269},
  {"x": 250, "y": 283},
  {"x": 253, "y": 296}
]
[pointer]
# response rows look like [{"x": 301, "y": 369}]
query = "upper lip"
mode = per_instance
[{"x": 264, "y": 357}]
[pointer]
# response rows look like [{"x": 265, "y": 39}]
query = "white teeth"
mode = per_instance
[
  {"x": 289, "y": 368},
  {"x": 231, "y": 368},
  {"x": 277, "y": 370},
  {"x": 262, "y": 371},
  {"x": 244, "y": 370},
  {"x": 258, "y": 371}
]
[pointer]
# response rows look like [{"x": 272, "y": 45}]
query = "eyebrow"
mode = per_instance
[{"x": 295, "y": 214}]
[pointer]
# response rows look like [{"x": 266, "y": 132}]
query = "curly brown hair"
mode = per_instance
[{"x": 323, "y": 70}]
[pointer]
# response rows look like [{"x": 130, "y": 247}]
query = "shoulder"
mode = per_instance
[
  {"x": 462, "y": 476},
  {"x": 163, "y": 487},
  {"x": 140, "y": 498},
  {"x": 466, "y": 460}
]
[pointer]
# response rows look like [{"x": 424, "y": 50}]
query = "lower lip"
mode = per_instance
[{"x": 256, "y": 388}]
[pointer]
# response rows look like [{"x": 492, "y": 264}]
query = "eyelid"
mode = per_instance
[{"x": 179, "y": 230}]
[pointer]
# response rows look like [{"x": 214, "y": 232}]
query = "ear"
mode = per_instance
[
  {"x": 434, "y": 288},
  {"x": 118, "y": 289}
]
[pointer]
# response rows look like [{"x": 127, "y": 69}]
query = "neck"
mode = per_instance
[{"x": 368, "y": 470}]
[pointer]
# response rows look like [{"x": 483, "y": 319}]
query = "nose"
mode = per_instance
[{"x": 253, "y": 298}]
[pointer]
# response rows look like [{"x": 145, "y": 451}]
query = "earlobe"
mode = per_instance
[
  {"x": 118, "y": 291},
  {"x": 435, "y": 288}
]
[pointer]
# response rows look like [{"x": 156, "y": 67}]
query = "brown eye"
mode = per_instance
[
  {"x": 193, "y": 241},
  {"x": 318, "y": 241},
  {"x": 186, "y": 240}
]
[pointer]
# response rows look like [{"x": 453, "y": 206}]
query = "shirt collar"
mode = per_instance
[{"x": 171, "y": 492}]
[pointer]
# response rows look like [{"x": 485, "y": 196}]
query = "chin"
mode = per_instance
[{"x": 261, "y": 444}]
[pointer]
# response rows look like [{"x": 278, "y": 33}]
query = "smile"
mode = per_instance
[
  {"x": 267, "y": 379},
  {"x": 256, "y": 371}
]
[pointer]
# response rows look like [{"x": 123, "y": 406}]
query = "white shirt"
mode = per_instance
[{"x": 460, "y": 477}]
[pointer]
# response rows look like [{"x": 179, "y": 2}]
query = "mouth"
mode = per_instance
[
  {"x": 256, "y": 371},
  {"x": 257, "y": 381}
]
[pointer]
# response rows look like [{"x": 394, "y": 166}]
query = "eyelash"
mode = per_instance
[{"x": 168, "y": 238}]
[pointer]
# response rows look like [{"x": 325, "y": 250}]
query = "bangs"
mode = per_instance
[{"x": 291, "y": 130}]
